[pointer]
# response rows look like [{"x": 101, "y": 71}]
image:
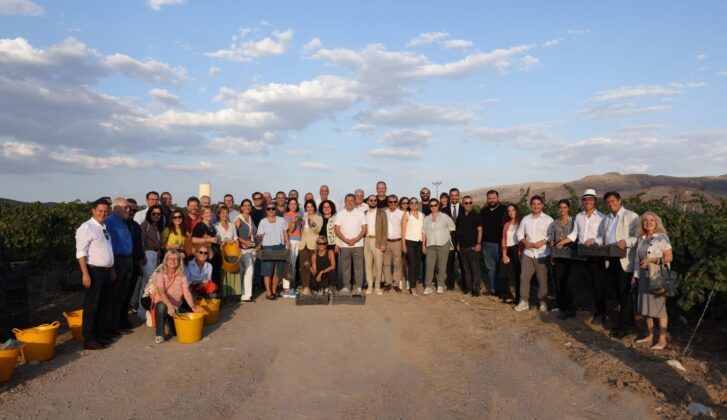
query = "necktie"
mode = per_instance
[{"x": 454, "y": 212}]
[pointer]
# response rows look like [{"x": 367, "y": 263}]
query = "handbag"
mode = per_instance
[
  {"x": 188, "y": 247},
  {"x": 662, "y": 281}
]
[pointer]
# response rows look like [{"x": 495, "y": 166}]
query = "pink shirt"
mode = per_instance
[{"x": 173, "y": 286}]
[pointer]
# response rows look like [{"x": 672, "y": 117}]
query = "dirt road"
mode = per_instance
[{"x": 438, "y": 356}]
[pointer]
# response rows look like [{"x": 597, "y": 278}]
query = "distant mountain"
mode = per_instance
[{"x": 652, "y": 186}]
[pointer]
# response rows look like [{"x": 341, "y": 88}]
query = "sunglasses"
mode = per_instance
[
  {"x": 203, "y": 253},
  {"x": 467, "y": 203},
  {"x": 270, "y": 209},
  {"x": 392, "y": 201},
  {"x": 177, "y": 217},
  {"x": 320, "y": 243},
  {"x": 405, "y": 203},
  {"x": 434, "y": 205},
  {"x": 106, "y": 234}
]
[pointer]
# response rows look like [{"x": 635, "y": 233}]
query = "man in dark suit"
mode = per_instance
[{"x": 454, "y": 263}]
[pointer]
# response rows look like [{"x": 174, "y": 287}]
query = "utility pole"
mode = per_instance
[{"x": 436, "y": 187}]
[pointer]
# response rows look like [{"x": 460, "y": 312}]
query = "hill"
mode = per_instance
[{"x": 652, "y": 186}]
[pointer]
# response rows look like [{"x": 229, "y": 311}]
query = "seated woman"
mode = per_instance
[
  {"x": 199, "y": 273},
  {"x": 323, "y": 263},
  {"x": 172, "y": 294}
]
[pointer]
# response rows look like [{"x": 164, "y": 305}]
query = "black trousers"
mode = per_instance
[
  {"x": 120, "y": 291},
  {"x": 625, "y": 295},
  {"x": 564, "y": 291},
  {"x": 94, "y": 325},
  {"x": 472, "y": 280},
  {"x": 510, "y": 274},
  {"x": 454, "y": 266},
  {"x": 593, "y": 267},
  {"x": 414, "y": 259}
]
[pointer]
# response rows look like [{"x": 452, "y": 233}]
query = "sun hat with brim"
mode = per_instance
[{"x": 590, "y": 192}]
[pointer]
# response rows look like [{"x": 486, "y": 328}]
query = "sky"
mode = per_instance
[{"x": 101, "y": 98}]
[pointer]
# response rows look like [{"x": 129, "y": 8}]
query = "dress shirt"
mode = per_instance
[
  {"x": 233, "y": 214},
  {"x": 195, "y": 274},
  {"x": 371, "y": 221},
  {"x": 455, "y": 209},
  {"x": 394, "y": 223},
  {"x": 438, "y": 232},
  {"x": 350, "y": 223},
  {"x": 120, "y": 235},
  {"x": 586, "y": 228},
  {"x": 94, "y": 243},
  {"x": 229, "y": 234},
  {"x": 140, "y": 216},
  {"x": 611, "y": 234},
  {"x": 535, "y": 229}
]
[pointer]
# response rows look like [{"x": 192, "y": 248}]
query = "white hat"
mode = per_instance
[{"x": 590, "y": 192}]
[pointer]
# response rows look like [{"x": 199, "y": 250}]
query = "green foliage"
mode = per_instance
[{"x": 696, "y": 229}]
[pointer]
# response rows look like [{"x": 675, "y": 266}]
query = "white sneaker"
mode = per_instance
[
  {"x": 379, "y": 292},
  {"x": 522, "y": 306},
  {"x": 369, "y": 291},
  {"x": 159, "y": 339},
  {"x": 440, "y": 290},
  {"x": 427, "y": 291},
  {"x": 358, "y": 290},
  {"x": 401, "y": 284},
  {"x": 343, "y": 291},
  {"x": 543, "y": 307},
  {"x": 148, "y": 319},
  {"x": 305, "y": 291}
]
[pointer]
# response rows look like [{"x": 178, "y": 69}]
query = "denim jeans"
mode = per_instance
[
  {"x": 162, "y": 317},
  {"x": 491, "y": 253}
]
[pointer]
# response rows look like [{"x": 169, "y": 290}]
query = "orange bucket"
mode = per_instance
[
  {"x": 8, "y": 360},
  {"x": 211, "y": 308},
  {"x": 189, "y": 327},
  {"x": 75, "y": 323},
  {"x": 39, "y": 341}
]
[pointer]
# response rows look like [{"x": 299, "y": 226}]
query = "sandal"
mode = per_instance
[
  {"x": 413, "y": 292},
  {"x": 645, "y": 340},
  {"x": 270, "y": 297},
  {"x": 658, "y": 347}
]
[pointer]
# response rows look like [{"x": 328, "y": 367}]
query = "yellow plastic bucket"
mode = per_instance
[
  {"x": 212, "y": 309},
  {"x": 189, "y": 327},
  {"x": 8, "y": 360},
  {"x": 75, "y": 323},
  {"x": 39, "y": 341}
]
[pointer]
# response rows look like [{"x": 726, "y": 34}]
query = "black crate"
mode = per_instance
[
  {"x": 15, "y": 275},
  {"x": 567, "y": 253},
  {"x": 277, "y": 255},
  {"x": 615, "y": 251},
  {"x": 301, "y": 300},
  {"x": 348, "y": 299},
  {"x": 592, "y": 251},
  {"x": 10, "y": 297}
]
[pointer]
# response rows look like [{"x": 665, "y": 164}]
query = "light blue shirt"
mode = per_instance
[
  {"x": 196, "y": 274},
  {"x": 274, "y": 233},
  {"x": 611, "y": 234}
]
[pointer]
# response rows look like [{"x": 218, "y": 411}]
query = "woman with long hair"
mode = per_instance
[
  {"x": 246, "y": 231},
  {"x": 652, "y": 252},
  {"x": 559, "y": 230},
  {"x": 231, "y": 283},
  {"x": 312, "y": 224},
  {"x": 511, "y": 250},
  {"x": 204, "y": 233},
  {"x": 151, "y": 239},
  {"x": 175, "y": 234},
  {"x": 411, "y": 231},
  {"x": 327, "y": 209},
  {"x": 294, "y": 221},
  {"x": 274, "y": 233}
]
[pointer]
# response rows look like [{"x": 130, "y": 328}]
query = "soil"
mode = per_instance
[{"x": 398, "y": 356}]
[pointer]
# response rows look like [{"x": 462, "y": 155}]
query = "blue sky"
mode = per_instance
[{"x": 117, "y": 98}]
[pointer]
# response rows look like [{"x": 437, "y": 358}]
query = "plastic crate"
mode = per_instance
[
  {"x": 567, "y": 253},
  {"x": 301, "y": 300},
  {"x": 592, "y": 251},
  {"x": 348, "y": 299},
  {"x": 278, "y": 255}
]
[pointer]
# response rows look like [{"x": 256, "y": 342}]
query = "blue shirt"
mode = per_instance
[{"x": 120, "y": 235}]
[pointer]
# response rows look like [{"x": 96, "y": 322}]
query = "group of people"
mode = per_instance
[{"x": 156, "y": 260}]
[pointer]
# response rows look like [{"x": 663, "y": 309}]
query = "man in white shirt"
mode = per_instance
[
  {"x": 96, "y": 259},
  {"x": 586, "y": 230},
  {"x": 152, "y": 199},
  {"x": 619, "y": 228},
  {"x": 534, "y": 234},
  {"x": 359, "y": 204},
  {"x": 350, "y": 228},
  {"x": 375, "y": 245},
  {"x": 393, "y": 275}
]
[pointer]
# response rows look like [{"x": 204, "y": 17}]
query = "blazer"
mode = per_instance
[
  {"x": 310, "y": 235},
  {"x": 460, "y": 211},
  {"x": 658, "y": 244},
  {"x": 628, "y": 222}
]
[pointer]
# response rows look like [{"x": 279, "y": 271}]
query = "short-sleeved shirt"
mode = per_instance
[
  {"x": 492, "y": 223},
  {"x": 274, "y": 232},
  {"x": 438, "y": 232},
  {"x": 467, "y": 225},
  {"x": 393, "y": 218},
  {"x": 290, "y": 217},
  {"x": 350, "y": 223}
]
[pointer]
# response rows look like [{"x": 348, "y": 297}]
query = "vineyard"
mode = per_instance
[{"x": 44, "y": 235}]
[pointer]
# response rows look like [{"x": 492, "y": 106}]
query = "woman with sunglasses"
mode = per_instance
[
  {"x": 199, "y": 273},
  {"x": 327, "y": 209},
  {"x": 411, "y": 231},
  {"x": 322, "y": 265},
  {"x": 175, "y": 234},
  {"x": 274, "y": 233},
  {"x": 231, "y": 283},
  {"x": 246, "y": 231},
  {"x": 312, "y": 224},
  {"x": 151, "y": 238},
  {"x": 295, "y": 224},
  {"x": 404, "y": 204},
  {"x": 204, "y": 233},
  {"x": 436, "y": 244}
]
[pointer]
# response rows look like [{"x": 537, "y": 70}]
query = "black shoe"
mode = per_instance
[
  {"x": 104, "y": 341},
  {"x": 115, "y": 334},
  {"x": 475, "y": 294},
  {"x": 566, "y": 314},
  {"x": 598, "y": 319},
  {"x": 619, "y": 333},
  {"x": 466, "y": 292},
  {"x": 93, "y": 345},
  {"x": 125, "y": 331}
]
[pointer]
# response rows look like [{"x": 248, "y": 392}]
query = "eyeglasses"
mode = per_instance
[
  {"x": 405, "y": 203},
  {"x": 177, "y": 217},
  {"x": 392, "y": 201},
  {"x": 257, "y": 198},
  {"x": 156, "y": 214},
  {"x": 202, "y": 253},
  {"x": 434, "y": 205},
  {"x": 270, "y": 209}
]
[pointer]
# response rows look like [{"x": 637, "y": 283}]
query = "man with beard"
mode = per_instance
[
  {"x": 493, "y": 220},
  {"x": 192, "y": 217},
  {"x": 375, "y": 245},
  {"x": 166, "y": 206},
  {"x": 454, "y": 263},
  {"x": 424, "y": 194},
  {"x": 393, "y": 274}
]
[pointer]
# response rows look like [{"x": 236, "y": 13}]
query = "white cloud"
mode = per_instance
[
  {"x": 202, "y": 166},
  {"x": 166, "y": 98},
  {"x": 578, "y": 31},
  {"x": 527, "y": 132},
  {"x": 634, "y": 91},
  {"x": 98, "y": 162},
  {"x": 213, "y": 70},
  {"x": 14, "y": 149},
  {"x": 414, "y": 115},
  {"x": 150, "y": 70},
  {"x": 458, "y": 44},
  {"x": 20, "y": 7},
  {"x": 406, "y": 137},
  {"x": 397, "y": 153},
  {"x": 721, "y": 73},
  {"x": 552, "y": 42},
  {"x": 528, "y": 62},
  {"x": 620, "y": 110},
  {"x": 157, "y": 4},
  {"x": 241, "y": 50},
  {"x": 427, "y": 38},
  {"x": 701, "y": 56},
  {"x": 316, "y": 166},
  {"x": 237, "y": 145}
]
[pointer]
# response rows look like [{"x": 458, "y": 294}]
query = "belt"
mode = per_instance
[
  {"x": 393, "y": 240},
  {"x": 95, "y": 267},
  {"x": 122, "y": 256},
  {"x": 371, "y": 236}
]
